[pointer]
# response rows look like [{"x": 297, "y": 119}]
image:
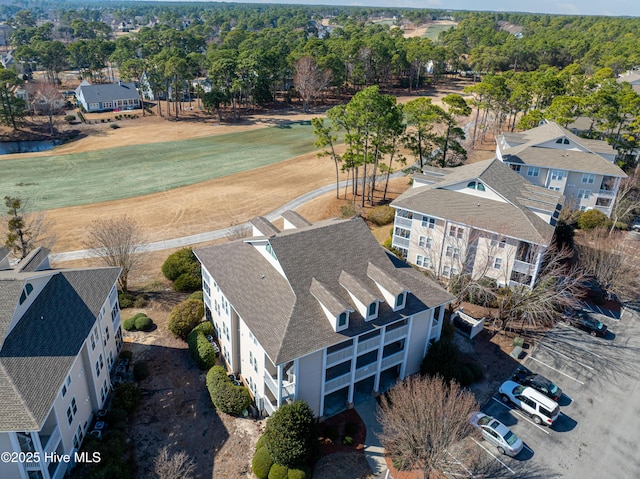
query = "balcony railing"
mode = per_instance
[
  {"x": 368, "y": 344},
  {"x": 288, "y": 390},
  {"x": 404, "y": 222},
  {"x": 271, "y": 383},
  {"x": 338, "y": 382},
  {"x": 391, "y": 360},
  {"x": 52, "y": 441},
  {"x": 522, "y": 267},
  {"x": 395, "y": 334},
  {"x": 268, "y": 406},
  {"x": 608, "y": 193},
  {"x": 367, "y": 370},
  {"x": 339, "y": 356},
  {"x": 400, "y": 241}
]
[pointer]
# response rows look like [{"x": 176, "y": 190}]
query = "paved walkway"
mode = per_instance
[
  {"x": 211, "y": 235},
  {"x": 373, "y": 450}
]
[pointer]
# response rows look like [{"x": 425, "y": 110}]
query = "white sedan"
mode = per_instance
[{"x": 497, "y": 434}]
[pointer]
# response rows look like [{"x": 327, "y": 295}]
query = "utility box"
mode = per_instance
[{"x": 467, "y": 325}]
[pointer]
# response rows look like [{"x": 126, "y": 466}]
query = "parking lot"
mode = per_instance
[{"x": 598, "y": 430}]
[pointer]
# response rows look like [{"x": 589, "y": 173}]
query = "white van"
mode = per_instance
[{"x": 542, "y": 409}]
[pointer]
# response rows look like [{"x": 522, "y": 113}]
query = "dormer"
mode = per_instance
[
  {"x": 394, "y": 293},
  {"x": 336, "y": 310},
  {"x": 4, "y": 259},
  {"x": 263, "y": 227},
  {"x": 36, "y": 260},
  {"x": 366, "y": 300},
  {"x": 293, "y": 220}
]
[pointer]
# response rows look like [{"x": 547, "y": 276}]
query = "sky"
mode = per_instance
[{"x": 566, "y": 7}]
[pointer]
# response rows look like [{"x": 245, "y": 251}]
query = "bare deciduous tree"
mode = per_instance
[
  {"x": 118, "y": 242},
  {"x": 46, "y": 100},
  {"x": 421, "y": 419},
  {"x": 309, "y": 80},
  {"x": 25, "y": 231},
  {"x": 627, "y": 200},
  {"x": 174, "y": 466}
]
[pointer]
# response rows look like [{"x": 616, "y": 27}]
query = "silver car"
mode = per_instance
[{"x": 497, "y": 434}]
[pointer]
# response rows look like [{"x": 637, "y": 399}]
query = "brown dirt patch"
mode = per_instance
[
  {"x": 343, "y": 465},
  {"x": 338, "y": 426}
]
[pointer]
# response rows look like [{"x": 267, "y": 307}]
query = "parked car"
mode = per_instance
[
  {"x": 582, "y": 320},
  {"x": 497, "y": 434},
  {"x": 537, "y": 382},
  {"x": 635, "y": 224},
  {"x": 541, "y": 408}
]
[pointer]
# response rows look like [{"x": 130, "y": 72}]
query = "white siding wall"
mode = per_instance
[
  {"x": 310, "y": 379},
  {"x": 251, "y": 348},
  {"x": 8, "y": 469},
  {"x": 417, "y": 340}
]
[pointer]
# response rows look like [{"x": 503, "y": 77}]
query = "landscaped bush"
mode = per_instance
[
  {"x": 125, "y": 354},
  {"x": 201, "y": 349},
  {"x": 183, "y": 268},
  {"x": 215, "y": 376},
  {"x": 382, "y": 215},
  {"x": 140, "y": 370},
  {"x": 592, "y": 219},
  {"x": 262, "y": 441},
  {"x": 278, "y": 472},
  {"x": 113, "y": 126},
  {"x": 125, "y": 299},
  {"x": 224, "y": 395},
  {"x": 197, "y": 295},
  {"x": 185, "y": 316},
  {"x": 298, "y": 474},
  {"x": 291, "y": 435},
  {"x": 205, "y": 327},
  {"x": 140, "y": 302},
  {"x": 70, "y": 118},
  {"x": 126, "y": 396},
  {"x": 143, "y": 323},
  {"x": 129, "y": 324},
  {"x": 261, "y": 463},
  {"x": 116, "y": 415}
]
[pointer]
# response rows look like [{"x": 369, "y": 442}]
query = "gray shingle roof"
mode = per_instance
[
  {"x": 358, "y": 288},
  {"x": 295, "y": 219},
  {"x": 264, "y": 226},
  {"x": 512, "y": 218},
  {"x": 33, "y": 260},
  {"x": 4, "y": 257},
  {"x": 334, "y": 304},
  {"x": 282, "y": 313},
  {"x": 38, "y": 352},
  {"x": 108, "y": 92},
  {"x": 384, "y": 279}
]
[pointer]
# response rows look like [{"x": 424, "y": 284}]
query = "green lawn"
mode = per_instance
[
  {"x": 434, "y": 30},
  {"x": 67, "y": 180}
]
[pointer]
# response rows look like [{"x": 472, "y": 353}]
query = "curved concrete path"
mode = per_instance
[
  {"x": 373, "y": 450},
  {"x": 210, "y": 235}
]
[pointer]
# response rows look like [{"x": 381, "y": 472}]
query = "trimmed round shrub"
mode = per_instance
[
  {"x": 278, "y": 472},
  {"x": 291, "y": 435},
  {"x": 262, "y": 441},
  {"x": 126, "y": 354},
  {"x": 70, "y": 118},
  {"x": 143, "y": 323},
  {"x": 129, "y": 324},
  {"x": 443, "y": 359},
  {"x": 592, "y": 219},
  {"x": 261, "y": 463},
  {"x": 197, "y": 295},
  {"x": 201, "y": 349},
  {"x": 298, "y": 474},
  {"x": 185, "y": 316},
  {"x": 116, "y": 415},
  {"x": 382, "y": 215},
  {"x": 140, "y": 370},
  {"x": 205, "y": 327},
  {"x": 182, "y": 264},
  {"x": 113, "y": 126},
  {"x": 126, "y": 300},
  {"x": 466, "y": 375},
  {"x": 231, "y": 399},
  {"x": 126, "y": 396},
  {"x": 216, "y": 376}
]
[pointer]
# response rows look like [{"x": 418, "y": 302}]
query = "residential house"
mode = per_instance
[
  {"x": 108, "y": 96},
  {"x": 481, "y": 219},
  {"x": 632, "y": 77},
  {"x": 551, "y": 156},
  {"x": 320, "y": 313},
  {"x": 59, "y": 335}
]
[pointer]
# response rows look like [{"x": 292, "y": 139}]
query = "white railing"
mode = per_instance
[
  {"x": 270, "y": 408},
  {"x": 33, "y": 466},
  {"x": 368, "y": 344},
  {"x": 522, "y": 267},
  {"x": 271, "y": 383},
  {"x": 367, "y": 370},
  {"x": 391, "y": 360},
  {"x": 288, "y": 390},
  {"x": 395, "y": 334},
  {"x": 404, "y": 222},
  {"x": 52, "y": 442},
  {"x": 399, "y": 241},
  {"x": 609, "y": 193},
  {"x": 339, "y": 356},
  {"x": 338, "y": 382}
]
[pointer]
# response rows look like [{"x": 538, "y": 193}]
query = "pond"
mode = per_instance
[{"x": 9, "y": 147}]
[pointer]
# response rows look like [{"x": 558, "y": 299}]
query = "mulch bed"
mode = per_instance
[{"x": 332, "y": 432}]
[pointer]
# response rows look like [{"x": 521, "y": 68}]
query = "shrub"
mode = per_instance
[
  {"x": 465, "y": 376},
  {"x": 125, "y": 299},
  {"x": 183, "y": 264},
  {"x": 126, "y": 354},
  {"x": 140, "y": 370},
  {"x": 215, "y": 376},
  {"x": 116, "y": 415},
  {"x": 278, "y": 472},
  {"x": 143, "y": 323},
  {"x": 113, "y": 126},
  {"x": 262, "y": 441},
  {"x": 592, "y": 219},
  {"x": 477, "y": 371},
  {"x": 126, "y": 396},
  {"x": 348, "y": 210},
  {"x": 200, "y": 349},
  {"x": 261, "y": 463},
  {"x": 70, "y": 118},
  {"x": 443, "y": 359},
  {"x": 231, "y": 399},
  {"x": 388, "y": 243},
  {"x": 291, "y": 435},
  {"x": 298, "y": 474},
  {"x": 197, "y": 295},
  {"x": 129, "y": 324},
  {"x": 184, "y": 317},
  {"x": 140, "y": 302},
  {"x": 382, "y": 215},
  {"x": 206, "y": 327},
  {"x": 347, "y": 441}
]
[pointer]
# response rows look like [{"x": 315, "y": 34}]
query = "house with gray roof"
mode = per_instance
[
  {"x": 59, "y": 336},
  {"x": 318, "y": 312},
  {"x": 107, "y": 97},
  {"x": 481, "y": 219},
  {"x": 552, "y": 157}
]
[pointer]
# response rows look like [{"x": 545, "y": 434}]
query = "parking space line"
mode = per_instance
[
  {"x": 557, "y": 370},
  {"x": 527, "y": 448},
  {"x": 462, "y": 465},
  {"x": 494, "y": 456},
  {"x": 582, "y": 350},
  {"x": 564, "y": 355},
  {"x": 521, "y": 415}
]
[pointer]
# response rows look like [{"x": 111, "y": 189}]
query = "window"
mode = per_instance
[
  {"x": 533, "y": 171},
  {"x": 554, "y": 188},
  {"x": 404, "y": 214},
  {"x": 393, "y": 348},
  {"x": 103, "y": 391},
  {"x": 337, "y": 371},
  {"x": 253, "y": 361},
  {"x": 515, "y": 167},
  {"x": 603, "y": 202},
  {"x": 93, "y": 342},
  {"x": 372, "y": 309},
  {"x": 476, "y": 185},
  {"x": 26, "y": 292},
  {"x": 72, "y": 410},
  {"x": 99, "y": 365},
  {"x": 400, "y": 300},
  {"x": 366, "y": 359},
  {"x": 584, "y": 194},
  {"x": 449, "y": 252},
  {"x": 446, "y": 272},
  {"x": 422, "y": 241},
  {"x": 456, "y": 232},
  {"x": 205, "y": 287},
  {"x": 456, "y": 253},
  {"x": 428, "y": 222},
  {"x": 497, "y": 263},
  {"x": 500, "y": 244},
  {"x": 270, "y": 251},
  {"x": 342, "y": 320},
  {"x": 423, "y": 261},
  {"x": 66, "y": 385},
  {"x": 106, "y": 335},
  {"x": 557, "y": 175},
  {"x": 588, "y": 178},
  {"x": 402, "y": 233}
]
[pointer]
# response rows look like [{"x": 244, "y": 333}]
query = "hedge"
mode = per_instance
[
  {"x": 591, "y": 219},
  {"x": 129, "y": 324},
  {"x": 382, "y": 215},
  {"x": 127, "y": 397},
  {"x": 298, "y": 474},
  {"x": 183, "y": 268},
  {"x": 197, "y": 295},
  {"x": 278, "y": 471},
  {"x": 261, "y": 463},
  {"x": 291, "y": 435},
  {"x": 262, "y": 441},
  {"x": 206, "y": 327},
  {"x": 185, "y": 316},
  {"x": 143, "y": 323},
  {"x": 201, "y": 349},
  {"x": 226, "y": 397}
]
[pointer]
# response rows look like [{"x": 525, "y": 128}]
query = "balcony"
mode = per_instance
[
  {"x": 338, "y": 382},
  {"x": 391, "y": 360},
  {"x": 52, "y": 441},
  {"x": 339, "y": 356},
  {"x": 522, "y": 267},
  {"x": 271, "y": 383},
  {"x": 269, "y": 406},
  {"x": 607, "y": 193},
  {"x": 368, "y": 344},
  {"x": 394, "y": 334},
  {"x": 400, "y": 242},
  {"x": 367, "y": 370},
  {"x": 404, "y": 222},
  {"x": 288, "y": 390}
]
